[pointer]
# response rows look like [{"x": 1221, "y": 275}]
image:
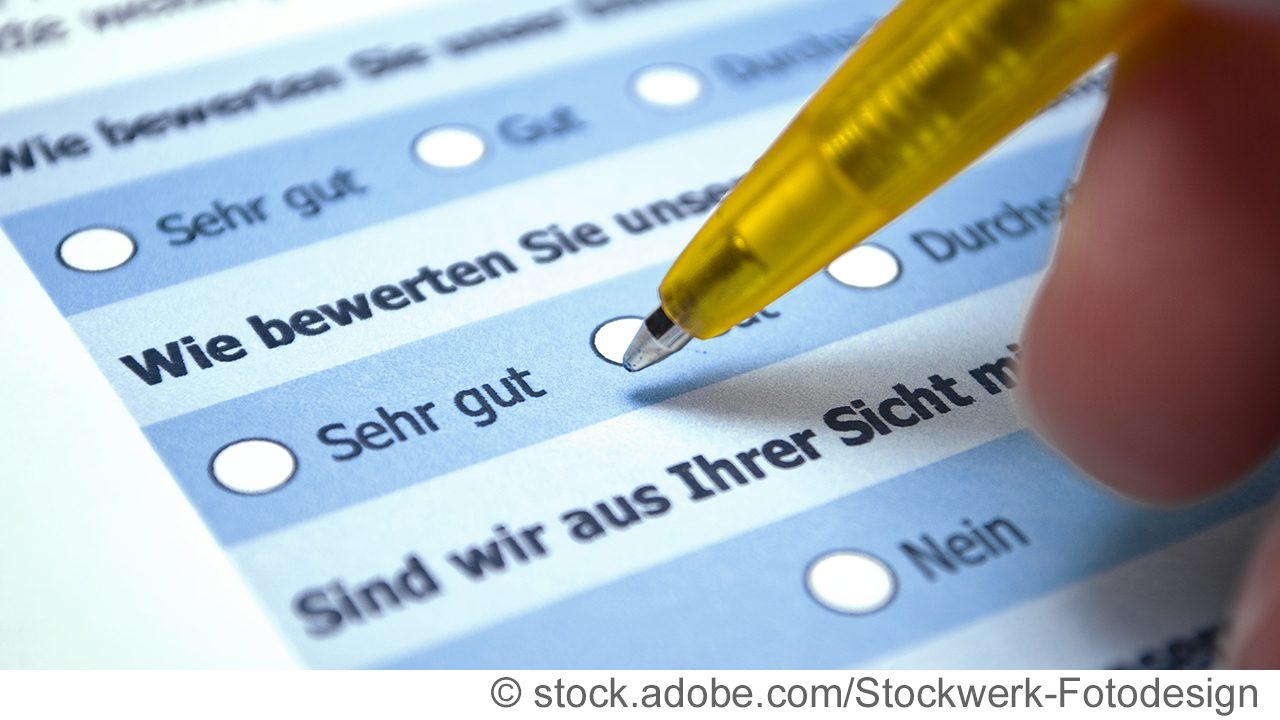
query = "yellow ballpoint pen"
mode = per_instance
[{"x": 932, "y": 87}]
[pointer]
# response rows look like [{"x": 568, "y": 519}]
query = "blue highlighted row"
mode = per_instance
[
  {"x": 400, "y": 417},
  {"x": 223, "y": 213},
  {"x": 967, "y": 537}
]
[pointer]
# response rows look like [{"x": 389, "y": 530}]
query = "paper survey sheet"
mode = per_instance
[{"x": 364, "y": 292}]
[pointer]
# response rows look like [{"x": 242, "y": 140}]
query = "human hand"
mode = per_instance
[{"x": 1152, "y": 353}]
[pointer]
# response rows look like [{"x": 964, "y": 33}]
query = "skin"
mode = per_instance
[{"x": 1152, "y": 352}]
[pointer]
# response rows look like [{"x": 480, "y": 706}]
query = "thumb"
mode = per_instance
[{"x": 1152, "y": 354}]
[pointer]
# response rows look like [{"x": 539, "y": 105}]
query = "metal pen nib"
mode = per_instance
[{"x": 657, "y": 339}]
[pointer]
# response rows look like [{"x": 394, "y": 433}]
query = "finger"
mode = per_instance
[
  {"x": 1152, "y": 352},
  {"x": 1254, "y": 637}
]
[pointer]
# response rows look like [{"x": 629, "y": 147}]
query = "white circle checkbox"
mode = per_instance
[
  {"x": 612, "y": 339},
  {"x": 669, "y": 87},
  {"x": 450, "y": 147},
  {"x": 851, "y": 582},
  {"x": 253, "y": 466},
  {"x": 95, "y": 249},
  {"x": 866, "y": 266}
]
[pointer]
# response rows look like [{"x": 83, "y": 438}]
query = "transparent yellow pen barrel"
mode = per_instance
[{"x": 934, "y": 85}]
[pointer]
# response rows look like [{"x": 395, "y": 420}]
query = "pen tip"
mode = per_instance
[{"x": 657, "y": 339}]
